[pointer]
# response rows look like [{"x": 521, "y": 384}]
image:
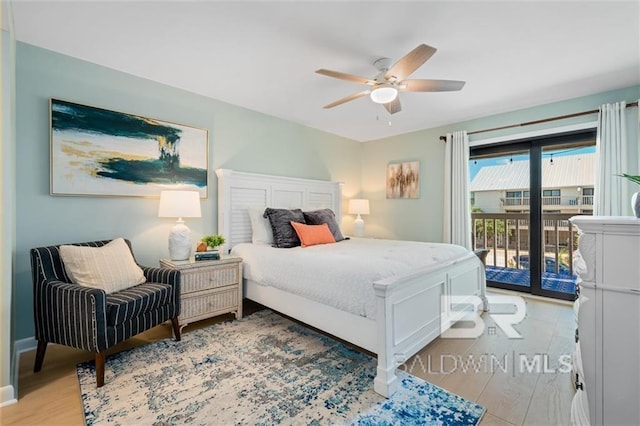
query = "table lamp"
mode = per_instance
[
  {"x": 179, "y": 204},
  {"x": 359, "y": 206}
]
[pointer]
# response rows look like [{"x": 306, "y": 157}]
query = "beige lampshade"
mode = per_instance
[
  {"x": 179, "y": 204},
  {"x": 358, "y": 206}
]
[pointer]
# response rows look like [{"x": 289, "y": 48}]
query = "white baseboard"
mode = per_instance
[
  {"x": 20, "y": 346},
  {"x": 25, "y": 345},
  {"x": 7, "y": 396}
]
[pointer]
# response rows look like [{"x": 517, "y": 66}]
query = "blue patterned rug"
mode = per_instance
[{"x": 263, "y": 369}]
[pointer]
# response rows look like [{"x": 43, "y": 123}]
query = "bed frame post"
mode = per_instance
[{"x": 386, "y": 382}]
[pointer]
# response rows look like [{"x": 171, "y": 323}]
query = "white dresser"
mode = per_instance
[{"x": 607, "y": 358}]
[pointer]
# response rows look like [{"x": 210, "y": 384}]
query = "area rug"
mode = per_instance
[{"x": 262, "y": 370}]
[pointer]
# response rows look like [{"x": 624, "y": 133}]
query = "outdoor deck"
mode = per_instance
[
  {"x": 506, "y": 238},
  {"x": 520, "y": 277}
]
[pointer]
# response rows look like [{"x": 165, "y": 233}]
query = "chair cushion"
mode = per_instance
[
  {"x": 110, "y": 267},
  {"x": 135, "y": 301}
]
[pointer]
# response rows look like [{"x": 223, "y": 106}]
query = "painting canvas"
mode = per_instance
[
  {"x": 96, "y": 151},
  {"x": 403, "y": 180}
]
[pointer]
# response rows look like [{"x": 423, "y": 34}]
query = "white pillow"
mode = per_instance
[
  {"x": 110, "y": 267},
  {"x": 260, "y": 226}
]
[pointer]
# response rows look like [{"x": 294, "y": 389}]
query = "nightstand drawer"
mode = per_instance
[
  {"x": 199, "y": 279},
  {"x": 208, "y": 288},
  {"x": 207, "y": 303}
]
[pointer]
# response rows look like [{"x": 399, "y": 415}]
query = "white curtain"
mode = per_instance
[
  {"x": 457, "y": 210},
  {"x": 611, "y": 159}
]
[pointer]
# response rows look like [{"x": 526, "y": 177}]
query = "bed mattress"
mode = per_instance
[{"x": 340, "y": 274}]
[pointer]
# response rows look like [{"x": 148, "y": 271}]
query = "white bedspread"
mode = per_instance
[{"x": 340, "y": 274}]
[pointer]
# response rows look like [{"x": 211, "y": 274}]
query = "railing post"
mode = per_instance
[
  {"x": 557, "y": 246},
  {"x": 518, "y": 243},
  {"x": 506, "y": 242},
  {"x": 484, "y": 232},
  {"x": 571, "y": 248},
  {"x": 495, "y": 242},
  {"x": 473, "y": 233}
]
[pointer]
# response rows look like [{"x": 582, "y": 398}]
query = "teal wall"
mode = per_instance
[
  {"x": 239, "y": 139},
  {"x": 421, "y": 219}
]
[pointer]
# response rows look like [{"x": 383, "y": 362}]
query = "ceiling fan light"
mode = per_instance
[{"x": 384, "y": 94}]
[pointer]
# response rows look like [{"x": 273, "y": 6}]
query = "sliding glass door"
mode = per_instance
[{"x": 523, "y": 193}]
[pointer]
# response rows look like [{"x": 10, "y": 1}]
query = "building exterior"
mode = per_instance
[
  {"x": 567, "y": 185},
  {"x": 501, "y": 193}
]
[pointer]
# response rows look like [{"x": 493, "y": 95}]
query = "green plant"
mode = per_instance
[
  {"x": 479, "y": 225},
  {"x": 563, "y": 256},
  {"x": 213, "y": 241},
  {"x": 632, "y": 178}
]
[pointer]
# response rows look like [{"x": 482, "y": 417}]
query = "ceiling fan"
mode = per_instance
[{"x": 389, "y": 81}]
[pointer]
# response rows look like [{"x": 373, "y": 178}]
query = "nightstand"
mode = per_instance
[{"x": 208, "y": 287}]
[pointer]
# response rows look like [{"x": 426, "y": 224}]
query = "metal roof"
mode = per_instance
[{"x": 566, "y": 171}]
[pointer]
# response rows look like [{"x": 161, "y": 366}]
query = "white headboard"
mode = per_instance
[{"x": 238, "y": 191}]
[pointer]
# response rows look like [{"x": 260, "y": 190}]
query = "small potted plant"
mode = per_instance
[
  {"x": 210, "y": 242},
  {"x": 635, "y": 198}
]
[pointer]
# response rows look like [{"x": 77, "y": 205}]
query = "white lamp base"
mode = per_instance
[
  {"x": 180, "y": 242},
  {"x": 359, "y": 225}
]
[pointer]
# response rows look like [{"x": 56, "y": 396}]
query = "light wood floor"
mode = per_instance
[{"x": 513, "y": 397}]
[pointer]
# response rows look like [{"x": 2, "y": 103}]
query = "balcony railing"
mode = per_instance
[
  {"x": 516, "y": 201},
  {"x": 506, "y": 236},
  {"x": 551, "y": 201}
]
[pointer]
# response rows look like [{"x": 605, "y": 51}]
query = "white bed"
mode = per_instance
[{"x": 410, "y": 301}]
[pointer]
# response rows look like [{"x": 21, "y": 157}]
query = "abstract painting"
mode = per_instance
[
  {"x": 100, "y": 152},
  {"x": 403, "y": 179}
]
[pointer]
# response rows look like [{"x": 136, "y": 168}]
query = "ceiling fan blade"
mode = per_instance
[
  {"x": 410, "y": 62},
  {"x": 347, "y": 99},
  {"x": 348, "y": 77},
  {"x": 393, "y": 106},
  {"x": 430, "y": 85}
]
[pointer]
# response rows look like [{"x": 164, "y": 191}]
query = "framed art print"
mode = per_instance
[
  {"x": 403, "y": 179},
  {"x": 100, "y": 152}
]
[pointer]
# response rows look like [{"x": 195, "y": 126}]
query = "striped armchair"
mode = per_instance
[{"x": 90, "y": 319}]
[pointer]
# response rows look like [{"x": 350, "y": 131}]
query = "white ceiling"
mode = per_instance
[{"x": 262, "y": 55}]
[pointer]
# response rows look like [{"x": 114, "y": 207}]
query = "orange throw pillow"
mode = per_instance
[{"x": 311, "y": 235}]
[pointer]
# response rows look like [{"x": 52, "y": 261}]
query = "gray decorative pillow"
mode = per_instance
[
  {"x": 284, "y": 236},
  {"x": 318, "y": 217}
]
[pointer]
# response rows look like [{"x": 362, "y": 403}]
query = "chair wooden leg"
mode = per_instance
[
  {"x": 100, "y": 361},
  {"x": 176, "y": 328},
  {"x": 42, "y": 348}
]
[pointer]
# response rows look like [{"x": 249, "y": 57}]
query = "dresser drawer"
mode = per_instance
[
  {"x": 199, "y": 279},
  {"x": 207, "y": 303}
]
